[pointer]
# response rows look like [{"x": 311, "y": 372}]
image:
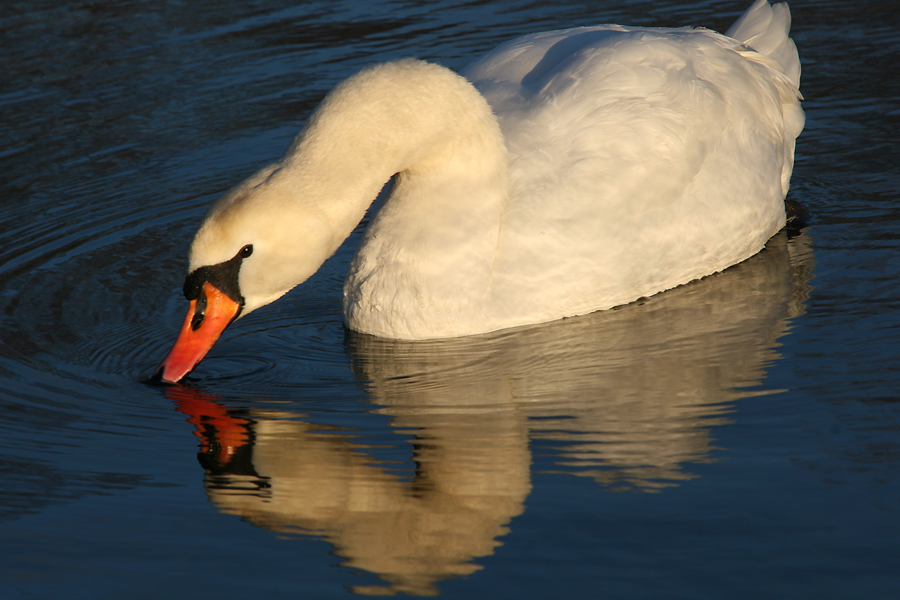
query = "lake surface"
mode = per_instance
[{"x": 738, "y": 437}]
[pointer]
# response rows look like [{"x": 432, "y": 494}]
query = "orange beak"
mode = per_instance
[{"x": 202, "y": 327}]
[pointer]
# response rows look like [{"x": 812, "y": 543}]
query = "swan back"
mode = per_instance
[{"x": 640, "y": 159}]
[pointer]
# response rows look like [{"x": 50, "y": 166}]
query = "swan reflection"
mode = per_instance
[{"x": 629, "y": 397}]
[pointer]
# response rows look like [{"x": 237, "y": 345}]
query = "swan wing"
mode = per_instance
[{"x": 640, "y": 159}]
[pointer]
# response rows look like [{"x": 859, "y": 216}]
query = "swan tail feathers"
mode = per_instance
[
  {"x": 764, "y": 35},
  {"x": 766, "y": 28}
]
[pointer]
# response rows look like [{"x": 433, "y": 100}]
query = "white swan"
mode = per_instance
[{"x": 563, "y": 173}]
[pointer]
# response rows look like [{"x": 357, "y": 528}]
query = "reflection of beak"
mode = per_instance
[
  {"x": 207, "y": 318},
  {"x": 222, "y": 434}
]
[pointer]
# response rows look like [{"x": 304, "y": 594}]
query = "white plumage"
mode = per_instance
[{"x": 584, "y": 169}]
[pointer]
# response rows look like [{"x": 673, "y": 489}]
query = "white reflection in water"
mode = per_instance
[{"x": 629, "y": 397}]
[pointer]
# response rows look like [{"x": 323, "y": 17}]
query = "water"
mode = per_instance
[{"x": 734, "y": 438}]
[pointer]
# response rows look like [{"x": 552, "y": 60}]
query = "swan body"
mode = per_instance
[{"x": 563, "y": 173}]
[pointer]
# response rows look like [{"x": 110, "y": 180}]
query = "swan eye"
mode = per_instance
[{"x": 246, "y": 251}]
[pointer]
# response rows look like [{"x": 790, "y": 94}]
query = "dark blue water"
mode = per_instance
[{"x": 738, "y": 437}]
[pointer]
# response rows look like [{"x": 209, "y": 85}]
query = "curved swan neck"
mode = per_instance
[
  {"x": 430, "y": 249},
  {"x": 405, "y": 116},
  {"x": 409, "y": 117}
]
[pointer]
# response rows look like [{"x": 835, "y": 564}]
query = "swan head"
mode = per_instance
[
  {"x": 252, "y": 248},
  {"x": 276, "y": 229}
]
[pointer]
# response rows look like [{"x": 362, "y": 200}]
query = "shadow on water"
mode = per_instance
[{"x": 630, "y": 397}]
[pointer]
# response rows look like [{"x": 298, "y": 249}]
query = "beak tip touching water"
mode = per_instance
[
  {"x": 172, "y": 371},
  {"x": 202, "y": 327}
]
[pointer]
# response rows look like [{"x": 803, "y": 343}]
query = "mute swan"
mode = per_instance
[{"x": 563, "y": 173}]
